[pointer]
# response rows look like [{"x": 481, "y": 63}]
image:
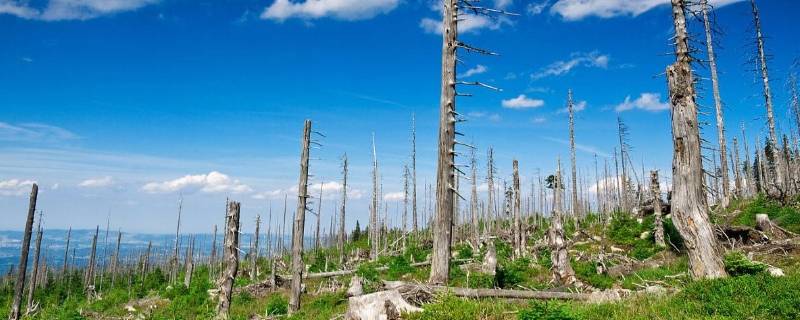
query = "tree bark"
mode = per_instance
[
  {"x": 299, "y": 222},
  {"x": 517, "y": 232},
  {"x": 492, "y": 214},
  {"x": 655, "y": 188},
  {"x": 414, "y": 173},
  {"x": 254, "y": 262},
  {"x": 559, "y": 255},
  {"x": 575, "y": 203},
  {"x": 374, "y": 229},
  {"x": 773, "y": 137},
  {"x": 187, "y": 278},
  {"x": 19, "y": 285},
  {"x": 445, "y": 173},
  {"x": 35, "y": 274},
  {"x": 66, "y": 252},
  {"x": 231, "y": 257},
  {"x": 342, "y": 232},
  {"x": 721, "y": 141},
  {"x": 689, "y": 209}
]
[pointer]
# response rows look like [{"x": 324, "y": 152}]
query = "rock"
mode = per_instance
[
  {"x": 609, "y": 295},
  {"x": 775, "y": 272},
  {"x": 356, "y": 288},
  {"x": 615, "y": 249},
  {"x": 130, "y": 308},
  {"x": 644, "y": 235},
  {"x": 382, "y": 305},
  {"x": 655, "y": 290}
]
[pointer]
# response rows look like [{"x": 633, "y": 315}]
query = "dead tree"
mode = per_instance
[
  {"x": 66, "y": 252},
  {"x": 689, "y": 209},
  {"x": 374, "y": 230},
  {"x": 254, "y": 256},
  {"x": 115, "y": 258},
  {"x": 342, "y": 233},
  {"x": 300, "y": 221},
  {"x": 473, "y": 206},
  {"x": 762, "y": 64},
  {"x": 559, "y": 254},
  {"x": 214, "y": 247},
  {"x": 231, "y": 257},
  {"x": 318, "y": 214},
  {"x": 517, "y": 231},
  {"x": 90, "y": 269},
  {"x": 414, "y": 227},
  {"x": 492, "y": 214},
  {"x": 19, "y": 285},
  {"x": 622, "y": 131},
  {"x": 575, "y": 203},
  {"x": 187, "y": 278},
  {"x": 405, "y": 205},
  {"x": 721, "y": 141},
  {"x": 177, "y": 254},
  {"x": 35, "y": 275},
  {"x": 655, "y": 188},
  {"x": 736, "y": 169}
]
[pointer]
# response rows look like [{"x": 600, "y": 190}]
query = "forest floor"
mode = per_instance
[{"x": 657, "y": 277}]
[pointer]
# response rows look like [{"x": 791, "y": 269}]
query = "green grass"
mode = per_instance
[{"x": 787, "y": 217}]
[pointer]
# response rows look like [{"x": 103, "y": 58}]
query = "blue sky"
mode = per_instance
[{"x": 118, "y": 106}]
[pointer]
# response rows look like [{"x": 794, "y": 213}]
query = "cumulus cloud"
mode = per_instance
[
  {"x": 97, "y": 183},
  {"x": 577, "y": 59},
  {"x": 580, "y": 147},
  {"x": 56, "y": 10},
  {"x": 350, "y": 10},
  {"x": 213, "y": 182},
  {"x": 477, "y": 115},
  {"x": 393, "y": 196},
  {"x": 473, "y": 71},
  {"x": 646, "y": 101},
  {"x": 522, "y": 102},
  {"x": 539, "y": 120},
  {"x": 573, "y": 10},
  {"x": 34, "y": 132},
  {"x": 329, "y": 189},
  {"x": 468, "y": 23},
  {"x": 535, "y": 8},
  {"x": 15, "y": 187}
]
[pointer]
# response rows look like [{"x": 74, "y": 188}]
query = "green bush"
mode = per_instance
[
  {"x": 587, "y": 272},
  {"x": 512, "y": 273},
  {"x": 737, "y": 264},
  {"x": 546, "y": 311},
  {"x": 399, "y": 266}
]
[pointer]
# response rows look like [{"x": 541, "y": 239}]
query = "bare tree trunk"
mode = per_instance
[
  {"x": 559, "y": 255},
  {"x": 773, "y": 137},
  {"x": 115, "y": 261},
  {"x": 748, "y": 170},
  {"x": 90, "y": 269},
  {"x": 231, "y": 257},
  {"x": 254, "y": 262},
  {"x": 517, "y": 232},
  {"x": 655, "y": 188},
  {"x": 342, "y": 232},
  {"x": 575, "y": 204},
  {"x": 318, "y": 214},
  {"x": 721, "y": 141},
  {"x": 35, "y": 274},
  {"x": 187, "y": 278},
  {"x": 474, "y": 200},
  {"x": 299, "y": 222},
  {"x": 623, "y": 188},
  {"x": 405, "y": 206},
  {"x": 214, "y": 247},
  {"x": 374, "y": 229},
  {"x": 445, "y": 173},
  {"x": 177, "y": 254},
  {"x": 736, "y": 169},
  {"x": 414, "y": 173},
  {"x": 66, "y": 252},
  {"x": 490, "y": 181},
  {"x": 689, "y": 209},
  {"x": 19, "y": 285}
]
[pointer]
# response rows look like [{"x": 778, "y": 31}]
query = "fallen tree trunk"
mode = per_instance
[
  {"x": 338, "y": 273},
  {"x": 486, "y": 293}
]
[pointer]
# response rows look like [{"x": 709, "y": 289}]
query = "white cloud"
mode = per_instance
[
  {"x": 577, "y": 59},
  {"x": 393, "y": 196},
  {"x": 329, "y": 189},
  {"x": 580, "y": 147},
  {"x": 34, "y": 132},
  {"x": 522, "y": 102},
  {"x": 350, "y": 10},
  {"x": 502, "y": 4},
  {"x": 535, "y": 8},
  {"x": 97, "y": 183},
  {"x": 15, "y": 187},
  {"x": 473, "y": 71},
  {"x": 539, "y": 120},
  {"x": 573, "y": 10},
  {"x": 646, "y": 101},
  {"x": 213, "y": 182},
  {"x": 476, "y": 115},
  {"x": 468, "y": 23},
  {"x": 71, "y": 9}
]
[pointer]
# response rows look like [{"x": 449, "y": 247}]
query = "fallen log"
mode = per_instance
[
  {"x": 485, "y": 293},
  {"x": 329, "y": 274}
]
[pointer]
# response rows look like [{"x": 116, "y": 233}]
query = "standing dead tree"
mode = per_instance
[
  {"x": 446, "y": 190},
  {"x": 300, "y": 221},
  {"x": 655, "y": 189},
  {"x": 255, "y": 253},
  {"x": 689, "y": 209},
  {"x": 374, "y": 230},
  {"x": 721, "y": 141},
  {"x": 491, "y": 213},
  {"x": 559, "y": 254},
  {"x": 575, "y": 203},
  {"x": 176, "y": 253},
  {"x": 29, "y": 308},
  {"x": 773, "y": 137},
  {"x": 414, "y": 227},
  {"x": 518, "y": 238},
  {"x": 473, "y": 205},
  {"x": 88, "y": 282},
  {"x": 19, "y": 285},
  {"x": 342, "y": 233},
  {"x": 231, "y": 256},
  {"x": 622, "y": 131},
  {"x": 318, "y": 214}
]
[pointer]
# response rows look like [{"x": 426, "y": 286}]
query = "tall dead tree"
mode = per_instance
[
  {"x": 490, "y": 182},
  {"x": 90, "y": 269},
  {"x": 689, "y": 209},
  {"x": 187, "y": 278},
  {"x": 66, "y": 252},
  {"x": 213, "y": 258},
  {"x": 35, "y": 274},
  {"x": 300, "y": 221},
  {"x": 575, "y": 203},
  {"x": 721, "y": 141},
  {"x": 19, "y": 285},
  {"x": 405, "y": 204},
  {"x": 622, "y": 131},
  {"x": 318, "y": 214},
  {"x": 176, "y": 253},
  {"x": 115, "y": 259},
  {"x": 762, "y": 64},
  {"x": 374, "y": 230},
  {"x": 414, "y": 227},
  {"x": 736, "y": 169},
  {"x": 559, "y": 253},
  {"x": 516, "y": 211},
  {"x": 230, "y": 254},
  {"x": 342, "y": 233},
  {"x": 473, "y": 206}
]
